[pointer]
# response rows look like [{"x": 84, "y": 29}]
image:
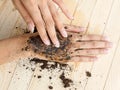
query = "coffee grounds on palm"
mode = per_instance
[{"x": 51, "y": 51}]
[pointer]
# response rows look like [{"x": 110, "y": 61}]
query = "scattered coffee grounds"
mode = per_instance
[
  {"x": 50, "y": 77},
  {"x": 45, "y": 64},
  {"x": 39, "y": 76},
  {"x": 51, "y": 51},
  {"x": 50, "y": 87},
  {"x": 66, "y": 81},
  {"x": 33, "y": 69},
  {"x": 26, "y": 48},
  {"x": 66, "y": 27},
  {"x": 27, "y": 67},
  {"x": 88, "y": 74}
]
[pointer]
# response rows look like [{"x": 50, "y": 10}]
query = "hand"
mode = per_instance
[
  {"x": 75, "y": 48},
  {"x": 44, "y": 15}
]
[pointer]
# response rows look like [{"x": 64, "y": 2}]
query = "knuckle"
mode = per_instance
[
  {"x": 88, "y": 51},
  {"x": 50, "y": 23}
]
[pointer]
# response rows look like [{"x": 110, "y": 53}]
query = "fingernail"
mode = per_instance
[
  {"x": 47, "y": 42},
  {"x": 64, "y": 33},
  {"x": 57, "y": 44},
  {"x": 30, "y": 27}
]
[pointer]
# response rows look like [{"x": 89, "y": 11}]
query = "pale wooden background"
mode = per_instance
[{"x": 100, "y": 16}]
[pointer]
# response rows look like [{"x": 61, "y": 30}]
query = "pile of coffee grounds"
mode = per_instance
[
  {"x": 57, "y": 70},
  {"x": 46, "y": 65},
  {"x": 88, "y": 74},
  {"x": 51, "y": 51},
  {"x": 66, "y": 81}
]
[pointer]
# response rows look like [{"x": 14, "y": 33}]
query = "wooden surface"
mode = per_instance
[{"x": 100, "y": 16}]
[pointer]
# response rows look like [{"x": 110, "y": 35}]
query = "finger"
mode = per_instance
[
  {"x": 89, "y": 51},
  {"x": 94, "y": 37},
  {"x": 73, "y": 28},
  {"x": 20, "y": 7},
  {"x": 93, "y": 44},
  {"x": 50, "y": 26},
  {"x": 63, "y": 7},
  {"x": 83, "y": 59},
  {"x": 91, "y": 37},
  {"x": 56, "y": 18},
  {"x": 33, "y": 10}
]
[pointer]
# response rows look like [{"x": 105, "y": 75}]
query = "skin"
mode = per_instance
[
  {"x": 91, "y": 46},
  {"x": 44, "y": 15}
]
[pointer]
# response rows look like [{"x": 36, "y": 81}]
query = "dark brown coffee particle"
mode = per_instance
[
  {"x": 88, "y": 74},
  {"x": 39, "y": 76},
  {"x": 66, "y": 81},
  {"x": 27, "y": 67},
  {"x": 50, "y": 87},
  {"x": 50, "y": 77}
]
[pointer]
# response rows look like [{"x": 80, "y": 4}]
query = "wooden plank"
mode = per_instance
[
  {"x": 113, "y": 77},
  {"x": 8, "y": 19},
  {"x": 6, "y": 72},
  {"x": 2, "y": 4},
  {"x": 83, "y": 13},
  {"x": 22, "y": 75},
  {"x": 69, "y": 4},
  {"x": 100, "y": 69}
]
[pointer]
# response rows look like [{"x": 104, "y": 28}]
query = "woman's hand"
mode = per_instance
[
  {"x": 44, "y": 15},
  {"x": 75, "y": 48}
]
